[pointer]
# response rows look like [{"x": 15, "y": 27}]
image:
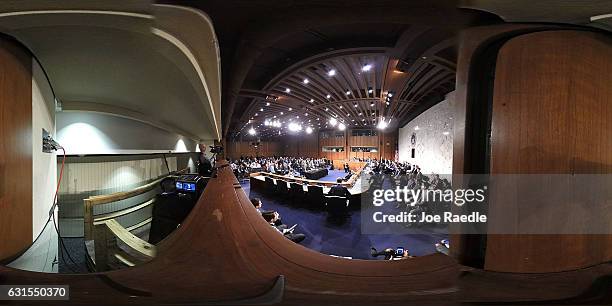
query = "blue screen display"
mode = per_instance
[{"x": 186, "y": 186}]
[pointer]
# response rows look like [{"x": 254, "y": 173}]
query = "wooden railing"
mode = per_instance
[{"x": 112, "y": 242}]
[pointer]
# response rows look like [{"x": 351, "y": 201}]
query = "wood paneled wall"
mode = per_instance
[
  {"x": 312, "y": 146},
  {"x": 551, "y": 114},
  {"x": 15, "y": 149}
]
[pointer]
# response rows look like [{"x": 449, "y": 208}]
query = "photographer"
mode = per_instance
[{"x": 392, "y": 254}]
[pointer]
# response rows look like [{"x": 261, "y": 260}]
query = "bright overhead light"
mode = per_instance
[
  {"x": 382, "y": 125},
  {"x": 306, "y": 81},
  {"x": 287, "y": 90},
  {"x": 282, "y": 113},
  {"x": 305, "y": 114},
  {"x": 340, "y": 106},
  {"x": 333, "y": 121},
  {"x": 360, "y": 114},
  {"x": 256, "y": 114},
  {"x": 390, "y": 94},
  {"x": 332, "y": 72},
  {"x": 355, "y": 105},
  {"x": 274, "y": 116},
  {"x": 348, "y": 92},
  {"x": 308, "y": 130},
  {"x": 252, "y": 131},
  {"x": 445, "y": 133},
  {"x": 261, "y": 109},
  {"x": 297, "y": 117},
  {"x": 311, "y": 100},
  {"x": 372, "y": 104},
  {"x": 290, "y": 109},
  {"x": 387, "y": 103},
  {"x": 328, "y": 96},
  {"x": 268, "y": 104},
  {"x": 366, "y": 67},
  {"x": 294, "y": 127},
  {"x": 370, "y": 90},
  {"x": 416, "y": 128},
  {"x": 341, "y": 126}
]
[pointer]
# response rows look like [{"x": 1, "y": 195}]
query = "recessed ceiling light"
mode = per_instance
[
  {"x": 261, "y": 109},
  {"x": 387, "y": 103},
  {"x": 390, "y": 94},
  {"x": 348, "y": 115},
  {"x": 355, "y": 105},
  {"x": 305, "y": 81},
  {"x": 326, "y": 109},
  {"x": 305, "y": 114},
  {"x": 332, "y": 72},
  {"x": 348, "y": 92},
  {"x": 341, "y": 126},
  {"x": 370, "y": 90},
  {"x": 282, "y": 113},
  {"x": 360, "y": 114},
  {"x": 372, "y": 104},
  {"x": 328, "y": 96},
  {"x": 268, "y": 104},
  {"x": 311, "y": 100},
  {"x": 290, "y": 109},
  {"x": 274, "y": 116},
  {"x": 287, "y": 90},
  {"x": 341, "y": 106},
  {"x": 366, "y": 67},
  {"x": 256, "y": 114}
]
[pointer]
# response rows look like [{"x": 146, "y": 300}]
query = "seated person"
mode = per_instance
[
  {"x": 288, "y": 233},
  {"x": 390, "y": 254},
  {"x": 339, "y": 190},
  {"x": 258, "y": 205}
]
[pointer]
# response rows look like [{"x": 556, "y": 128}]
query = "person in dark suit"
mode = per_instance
[
  {"x": 339, "y": 190},
  {"x": 347, "y": 169},
  {"x": 204, "y": 164},
  {"x": 288, "y": 233}
]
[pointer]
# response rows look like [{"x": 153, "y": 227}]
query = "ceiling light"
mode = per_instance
[
  {"x": 305, "y": 114},
  {"x": 370, "y": 90},
  {"x": 372, "y": 104},
  {"x": 355, "y": 105},
  {"x": 326, "y": 109},
  {"x": 297, "y": 117},
  {"x": 252, "y": 131},
  {"x": 366, "y": 67},
  {"x": 256, "y": 114},
  {"x": 360, "y": 114},
  {"x": 390, "y": 94},
  {"x": 305, "y": 81},
  {"x": 341, "y": 126},
  {"x": 287, "y": 90},
  {"x": 282, "y": 113},
  {"x": 382, "y": 125},
  {"x": 311, "y": 100},
  {"x": 268, "y": 104},
  {"x": 348, "y": 92},
  {"x": 333, "y": 121},
  {"x": 340, "y": 106},
  {"x": 387, "y": 103},
  {"x": 290, "y": 109},
  {"x": 328, "y": 96},
  {"x": 445, "y": 133},
  {"x": 416, "y": 128},
  {"x": 294, "y": 127},
  {"x": 331, "y": 72},
  {"x": 308, "y": 130},
  {"x": 261, "y": 109}
]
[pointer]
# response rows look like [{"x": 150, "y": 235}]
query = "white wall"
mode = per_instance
[
  {"x": 433, "y": 131},
  {"x": 41, "y": 255},
  {"x": 85, "y": 133}
]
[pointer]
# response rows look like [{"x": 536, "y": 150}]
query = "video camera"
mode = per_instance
[
  {"x": 390, "y": 253},
  {"x": 216, "y": 149}
]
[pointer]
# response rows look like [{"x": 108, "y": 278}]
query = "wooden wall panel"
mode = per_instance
[
  {"x": 15, "y": 149},
  {"x": 551, "y": 115}
]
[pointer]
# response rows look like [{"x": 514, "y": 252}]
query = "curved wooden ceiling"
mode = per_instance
[{"x": 359, "y": 87}]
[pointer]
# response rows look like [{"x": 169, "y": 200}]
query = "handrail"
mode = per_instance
[
  {"x": 104, "y": 230},
  {"x": 89, "y": 203}
]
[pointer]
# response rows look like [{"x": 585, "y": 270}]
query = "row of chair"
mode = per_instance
[{"x": 314, "y": 198}]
